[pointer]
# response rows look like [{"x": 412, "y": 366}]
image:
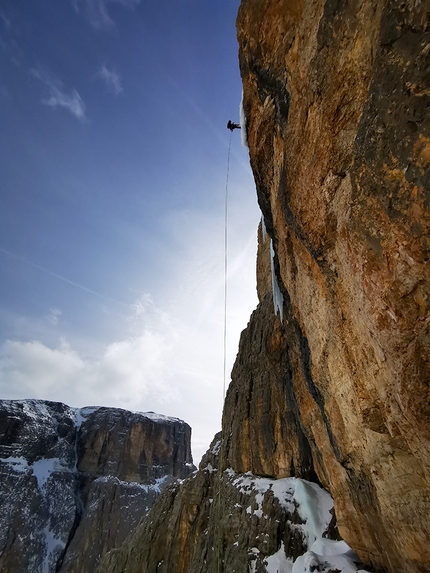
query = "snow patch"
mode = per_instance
[
  {"x": 278, "y": 562},
  {"x": 314, "y": 505},
  {"x": 158, "y": 417},
  {"x": 18, "y": 465},
  {"x": 216, "y": 448},
  {"x": 282, "y": 489},
  {"x": 209, "y": 468},
  {"x": 52, "y": 545},
  {"x": 81, "y": 414},
  {"x": 43, "y": 468}
]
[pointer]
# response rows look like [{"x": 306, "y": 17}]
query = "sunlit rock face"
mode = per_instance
[
  {"x": 337, "y": 106},
  {"x": 75, "y": 482}
]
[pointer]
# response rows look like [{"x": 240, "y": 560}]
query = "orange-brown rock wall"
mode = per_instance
[{"x": 337, "y": 101}]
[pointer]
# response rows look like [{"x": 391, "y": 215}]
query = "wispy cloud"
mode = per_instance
[
  {"x": 96, "y": 11},
  {"x": 128, "y": 372},
  {"x": 59, "y": 96},
  {"x": 7, "y": 23},
  {"x": 112, "y": 79},
  {"x": 61, "y": 278},
  {"x": 54, "y": 316}
]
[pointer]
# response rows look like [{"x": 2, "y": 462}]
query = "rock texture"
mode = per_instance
[
  {"x": 74, "y": 483},
  {"x": 232, "y": 522},
  {"x": 331, "y": 382},
  {"x": 337, "y": 101}
]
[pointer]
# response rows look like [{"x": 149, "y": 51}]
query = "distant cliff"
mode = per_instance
[
  {"x": 75, "y": 482},
  {"x": 331, "y": 382}
]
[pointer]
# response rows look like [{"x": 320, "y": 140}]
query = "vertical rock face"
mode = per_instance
[
  {"x": 74, "y": 483},
  {"x": 337, "y": 102}
]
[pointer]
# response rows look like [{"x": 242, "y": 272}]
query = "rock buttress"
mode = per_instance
[{"x": 336, "y": 96}]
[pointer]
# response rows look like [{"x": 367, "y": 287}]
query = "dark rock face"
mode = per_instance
[
  {"x": 75, "y": 482},
  {"x": 227, "y": 521}
]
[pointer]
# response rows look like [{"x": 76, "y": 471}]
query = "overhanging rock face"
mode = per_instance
[
  {"x": 75, "y": 482},
  {"x": 337, "y": 102}
]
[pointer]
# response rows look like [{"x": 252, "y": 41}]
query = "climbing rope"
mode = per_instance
[
  {"x": 226, "y": 268},
  {"x": 224, "y": 349}
]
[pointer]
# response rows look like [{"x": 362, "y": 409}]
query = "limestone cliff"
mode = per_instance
[
  {"x": 335, "y": 388},
  {"x": 75, "y": 482},
  {"x": 337, "y": 102}
]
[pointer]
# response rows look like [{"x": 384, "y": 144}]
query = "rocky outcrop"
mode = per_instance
[
  {"x": 337, "y": 101},
  {"x": 228, "y": 521},
  {"x": 75, "y": 482}
]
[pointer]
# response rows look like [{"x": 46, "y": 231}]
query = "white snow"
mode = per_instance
[
  {"x": 81, "y": 414},
  {"x": 278, "y": 562},
  {"x": 157, "y": 486},
  {"x": 52, "y": 544},
  {"x": 43, "y": 468},
  {"x": 216, "y": 448},
  {"x": 314, "y": 506},
  {"x": 19, "y": 465},
  {"x": 209, "y": 468},
  {"x": 158, "y": 417},
  {"x": 278, "y": 298},
  {"x": 283, "y": 490}
]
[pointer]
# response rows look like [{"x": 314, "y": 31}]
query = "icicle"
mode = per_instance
[
  {"x": 278, "y": 299},
  {"x": 243, "y": 134},
  {"x": 263, "y": 229}
]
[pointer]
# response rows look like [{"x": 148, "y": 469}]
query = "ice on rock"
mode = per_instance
[
  {"x": 315, "y": 506},
  {"x": 263, "y": 229},
  {"x": 278, "y": 298},
  {"x": 242, "y": 118}
]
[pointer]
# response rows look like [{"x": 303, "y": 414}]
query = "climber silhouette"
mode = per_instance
[{"x": 231, "y": 125}]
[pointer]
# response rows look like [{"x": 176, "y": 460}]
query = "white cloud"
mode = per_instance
[
  {"x": 54, "y": 316},
  {"x": 96, "y": 11},
  {"x": 169, "y": 357},
  {"x": 58, "y": 96},
  {"x": 128, "y": 372},
  {"x": 112, "y": 79}
]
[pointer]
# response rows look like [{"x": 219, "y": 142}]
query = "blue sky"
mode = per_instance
[{"x": 113, "y": 154}]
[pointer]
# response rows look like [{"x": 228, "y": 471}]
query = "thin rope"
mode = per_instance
[
  {"x": 224, "y": 349},
  {"x": 226, "y": 267}
]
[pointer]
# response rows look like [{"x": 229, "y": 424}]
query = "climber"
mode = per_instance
[{"x": 231, "y": 125}]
